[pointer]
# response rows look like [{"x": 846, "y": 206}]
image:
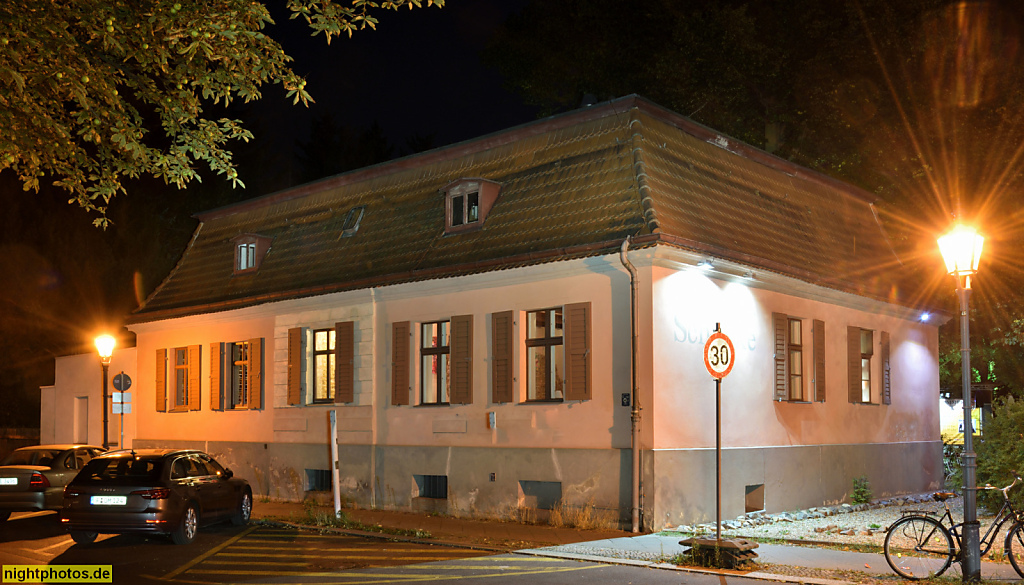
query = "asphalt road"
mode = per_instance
[{"x": 264, "y": 554}]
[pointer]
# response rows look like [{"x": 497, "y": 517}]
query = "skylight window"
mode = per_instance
[{"x": 351, "y": 225}]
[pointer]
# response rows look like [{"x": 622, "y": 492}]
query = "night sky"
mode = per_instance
[{"x": 418, "y": 73}]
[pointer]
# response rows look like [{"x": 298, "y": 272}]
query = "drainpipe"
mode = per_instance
[{"x": 635, "y": 412}]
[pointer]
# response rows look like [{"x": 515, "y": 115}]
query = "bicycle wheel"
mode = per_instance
[
  {"x": 918, "y": 547},
  {"x": 1014, "y": 547}
]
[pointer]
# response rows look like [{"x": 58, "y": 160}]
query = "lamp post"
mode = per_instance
[
  {"x": 961, "y": 250},
  {"x": 105, "y": 347}
]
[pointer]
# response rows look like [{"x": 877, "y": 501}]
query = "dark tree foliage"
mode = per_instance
[{"x": 918, "y": 102}]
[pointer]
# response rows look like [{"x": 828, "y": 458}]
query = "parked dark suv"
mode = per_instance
[{"x": 162, "y": 491}]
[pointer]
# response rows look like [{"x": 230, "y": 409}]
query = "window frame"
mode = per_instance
[
  {"x": 866, "y": 364},
  {"x": 249, "y": 252},
  {"x": 549, "y": 342},
  {"x": 239, "y": 360},
  {"x": 330, "y": 353},
  {"x": 443, "y": 383},
  {"x": 467, "y": 201},
  {"x": 797, "y": 390}
]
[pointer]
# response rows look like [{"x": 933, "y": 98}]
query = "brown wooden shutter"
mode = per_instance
[
  {"x": 255, "y": 367},
  {"x": 780, "y": 323},
  {"x": 853, "y": 362},
  {"x": 400, "y": 363},
  {"x": 161, "y": 380},
  {"x": 818, "y": 339},
  {"x": 216, "y": 382},
  {"x": 501, "y": 355},
  {"x": 462, "y": 359},
  {"x": 195, "y": 353},
  {"x": 578, "y": 357},
  {"x": 344, "y": 362},
  {"x": 295, "y": 365},
  {"x": 886, "y": 392}
]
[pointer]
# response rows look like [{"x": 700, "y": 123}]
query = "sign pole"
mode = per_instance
[
  {"x": 718, "y": 460},
  {"x": 719, "y": 357}
]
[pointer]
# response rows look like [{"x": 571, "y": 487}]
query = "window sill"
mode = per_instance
[
  {"x": 866, "y": 403},
  {"x": 432, "y": 404},
  {"x": 797, "y": 401},
  {"x": 548, "y": 401}
]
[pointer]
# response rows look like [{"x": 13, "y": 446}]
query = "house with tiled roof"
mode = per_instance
[{"x": 520, "y": 321}]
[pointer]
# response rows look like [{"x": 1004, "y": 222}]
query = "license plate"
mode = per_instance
[
  {"x": 8, "y": 481},
  {"x": 108, "y": 500}
]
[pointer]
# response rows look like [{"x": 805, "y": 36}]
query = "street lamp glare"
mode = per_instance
[
  {"x": 961, "y": 250},
  {"x": 105, "y": 346}
]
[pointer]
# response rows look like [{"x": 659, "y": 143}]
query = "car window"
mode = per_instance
[
  {"x": 211, "y": 463},
  {"x": 81, "y": 457},
  {"x": 199, "y": 466},
  {"x": 42, "y": 457},
  {"x": 181, "y": 468},
  {"x": 69, "y": 461},
  {"x": 121, "y": 470}
]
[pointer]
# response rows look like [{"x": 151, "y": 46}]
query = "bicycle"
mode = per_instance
[{"x": 919, "y": 546}]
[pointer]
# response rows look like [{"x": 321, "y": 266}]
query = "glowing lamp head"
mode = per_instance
[
  {"x": 105, "y": 347},
  {"x": 961, "y": 250}
]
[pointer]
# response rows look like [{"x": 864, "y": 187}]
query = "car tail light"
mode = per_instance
[
  {"x": 38, "y": 482},
  {"x": 71, "y": 493},
  {"x": 153, "y": 494}
]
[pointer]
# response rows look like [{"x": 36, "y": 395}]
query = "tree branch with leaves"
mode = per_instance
[{"x": 96, "y": 92}]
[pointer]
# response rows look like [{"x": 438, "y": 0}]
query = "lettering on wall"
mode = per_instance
[{"x": 698, "y": 335}]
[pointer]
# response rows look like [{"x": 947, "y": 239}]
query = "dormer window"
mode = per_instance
[
  {"x": 249, "y": 252},
  {"x": 467, "y": 202},
  {"x": 246, "y": 256}
]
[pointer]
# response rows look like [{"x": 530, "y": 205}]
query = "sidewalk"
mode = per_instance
[{"x": 608, "y": 546}]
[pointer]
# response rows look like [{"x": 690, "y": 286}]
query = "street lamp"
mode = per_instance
[
  {"x": 105, "y": 347},
  {"x": 961, "y": 250}
]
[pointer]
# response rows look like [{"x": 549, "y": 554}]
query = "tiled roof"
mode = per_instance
[{"x": 571, "y": 186}]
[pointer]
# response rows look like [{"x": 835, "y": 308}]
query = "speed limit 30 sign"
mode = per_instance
[{"x": 719, "y": 355}]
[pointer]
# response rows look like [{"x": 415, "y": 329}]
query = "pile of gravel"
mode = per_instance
[{"x": 845, "y": 523}]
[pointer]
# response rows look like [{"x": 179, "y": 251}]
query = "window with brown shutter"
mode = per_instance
[
  {"x": 501, "y": 356},
  {"x": 344, "y": 360},
  {"x": 295, "y": 366},
  {"x": 462, "y": 359},
  {"x": 818, "y": 333},
  {"x": 579, "y": 360},
  {"x": 780, "y": 324},
  {"x": 886, "y": 378},
  {"x": 161, "y": 380},
  {"x": 181, "y": 392},
  {"x": 216, "y": 382},
  {"x": 400, "y": 363}
]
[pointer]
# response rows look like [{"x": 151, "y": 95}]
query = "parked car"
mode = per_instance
[
  {"x": 155, "y": 491},
  {"x": 33, "y": 478}
]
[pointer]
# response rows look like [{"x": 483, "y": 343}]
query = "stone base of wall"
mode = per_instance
[
  {"x": 679, "y": 485},
  {"x": 682, "y": 482}
]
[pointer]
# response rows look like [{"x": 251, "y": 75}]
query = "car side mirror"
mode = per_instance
[{"x": 228, "y": 474}]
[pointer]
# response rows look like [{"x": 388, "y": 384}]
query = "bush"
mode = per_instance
[
  {"x": 1001, "y": 452},
  {"x": 861, "y": 490},
  {"x": 953, "y": 474}
]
